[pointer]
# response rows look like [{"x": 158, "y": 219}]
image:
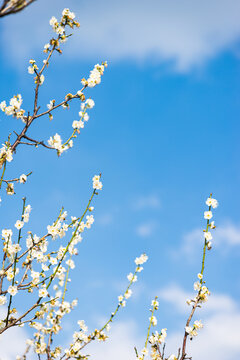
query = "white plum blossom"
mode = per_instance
[
  {"x": 95, "y": 75},
  {"x": 198, "y": 324},
  {"x": 14, "y": 107},
  {"x": 12, "y": 290},
  {"x": 42, "y": 293},
  {"x": 208, "y": 215},
  {"x": 23, "y": 178},
  {"x": 51, "y": 104},
  {"x": 3, "y": 300},
  {"x": 172, "y": 357},
  {"x": 78, "y": 124},
  {"x": 89, "y": 103},
  {"x": 19, "y": 224},
  {"x": 153, "y": 320},
  {"x": 97, "y": 184},
  {"x": 155, "y": 304},
  {"x": 41, "y": 79},
  {"x": 6, "y": 153},
  {"x": 144, "y": 351},
  {"x": 7, "y": 234},
  {"x": 53, "y": 21},
  {"x": 212, "y": 202},
  {"x": 141, "y": 260},
  {"x": 131, "y": 277},
  {"x": 207, "y": 235}
]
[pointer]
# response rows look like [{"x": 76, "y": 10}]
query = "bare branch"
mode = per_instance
[{"x": 9, "y": 7}]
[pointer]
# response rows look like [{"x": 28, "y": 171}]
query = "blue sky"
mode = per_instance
[{"x": 164, "y": 133}]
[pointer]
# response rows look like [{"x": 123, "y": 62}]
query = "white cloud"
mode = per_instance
[
  {"x": 175, "y": 295},
  {"x": 146, "y": 229},
  {"x": 12, "y": 341},
  {"x": 227, "y": 234},
  {"x": 105, "y": 219},
  {"x": 147, "y": 202},
  {"x": 120, "y": 345},
  {"x": 186, "y": 32},
  {"x": 219, "y": 339}
]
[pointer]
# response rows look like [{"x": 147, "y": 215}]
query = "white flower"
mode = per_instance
[
  {"x": 85, "y": 117},
  {"x": 191, "y": 331},
  {"x": 68, "y": 13},
  {"x": 212, "y": 226},
  {"x": 144, "y": 351},
  {"x": 207, "y": 215},
  {"x": 78, "y": 124},
  {"x": 212, "y": 202},
  {"x": 46, "y": 47},
  {"x": 82, "y": 325},
  {"x": 3, "y": 105},
  {"x": 42, "y": 293},
  {"x": 42, "y": 77},
  {"x": 200, "y": 276},
  {"x": 60, "y": 30},
  {"x": 120, "y": 298},
  {"x": 51, "y": 104},
  {"x": 172, "y": 357},
  {"x": 10, "y": 189},
  {"x": 197, "y": 286},
  {"x": 26, "y": 217},
  {"x": 56, "y": 142},
  {"x": 132, "y": 277},
  {"x": 19, "y": 224},
  {"x": 6, "y": 233},
  {"x": 53, "y": 21},
  {"x": 3, "y": 300},
  {"x": 128, "y": 294},
  {"x": 28, "y": 208},
  {"x": 12, "y": 290},
  {"x": 153, "y": 320},
  {"x": 97, "y": 184},
  {"x": 70, "y": 263},
  {"x": 207, "y": 235},
  {"x": 141, "y": 260},
  {"x": 89, "y": 103},
  {"x": 155, "y": 303},
  {"x": 198, "y": 324},
  {"x": 31, "y": 70},
  {"x": 209, "y": 245},
  {"x": 23, "y": 178}
]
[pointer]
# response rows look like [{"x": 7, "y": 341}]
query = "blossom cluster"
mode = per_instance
[
  {"x": 211, "y": 203},
  {"x": 202, "y": 290},
  {"x": 132, "y": 278},
  {"x": 192, "y": 330},
  {"x": 97, "y": 184},
  {"x": 44, "y": 267},
  {"x": 14, "y": 107},
  {"x": 95, "y": 75},
  {"x": 79, "y": 124},
  {"x": 10, "y": 185},
  {"x": 5, "y": 154},
  {"x": 157, "y": 339},
  {"x": 59, "y": 26},
  {"x": 56, "y": 140},
  {"x": 81, "y": 338}
]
